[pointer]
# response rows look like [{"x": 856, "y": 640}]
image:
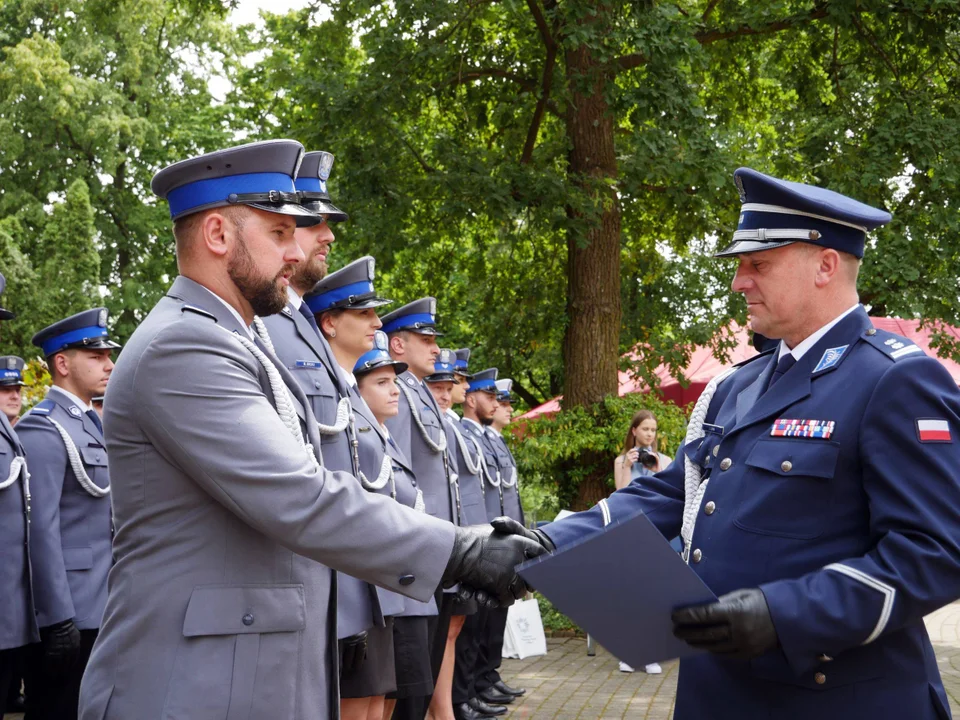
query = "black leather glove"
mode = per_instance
[
  {"x": 353, "y": 652},
  {"x": 485, "y": 559},
  {"x": 512, "y": 527},
  {"x": 483, "y": 599},
  {"x": 738, "y": 625},
  {"x": 61, "y": 647}
]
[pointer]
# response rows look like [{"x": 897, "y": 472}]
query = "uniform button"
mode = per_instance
[
  {"x": 872, "y": 331},
  {"x": 819, "y": 678},
  {"x": 697, "y": 555},
  {"x": 316, "y": 384},
  {"x": 726, "y": 463},
  {"x": 710, "y": 508},
  {"x": 407, "y": 580},
  {"x": 825, "y": 658},
  {"x": 786, "y": 466},
  {"x": 716, "y": 450},
  {"x": 247, "y": 619}
]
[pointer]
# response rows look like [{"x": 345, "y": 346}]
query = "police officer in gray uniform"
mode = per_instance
[
  {"x": 70, "y": 488},
  {"x": 18, "y": 621},
  {"x": 512, "y": 506},
  {"x": 218, "y": 605},
  {"x": 305, "y": 352},
  {"x": 386, "y": 470}
]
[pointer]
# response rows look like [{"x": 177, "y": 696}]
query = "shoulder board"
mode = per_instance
[
  {"x": 895, "y": 347},
  {"x": 198, "y": 310},
  {"x": 43, "y": 407}
]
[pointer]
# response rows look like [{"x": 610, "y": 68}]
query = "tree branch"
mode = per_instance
[
  {"x": 545, "y": 83},
  {"x": 709, "y": 9},
  {"x": 549, "y": 41},
  {"x": 424, "y": 165},
  {"x": 706, "y": 37},
  {"x": 634, "y": 60},
  {"x": 872, "y": 41}
]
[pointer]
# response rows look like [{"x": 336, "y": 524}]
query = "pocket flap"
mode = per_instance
[
  {"x": 796, "y": 456},
  {"x": 429, "y": 418},
  {"x": 94, "y": 455},
  {"x": 243, "y": 610},
  {"x": 78, "y": 558}
]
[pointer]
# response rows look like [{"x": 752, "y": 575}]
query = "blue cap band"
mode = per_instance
[
  {"x": 442, "y": 367},
  {"x": 370, "y": 357},
  {"x": 405, "y": 322},
  {"x": 311, "y": 184},
  {"x": 59, "y": 342},
  {"x": 217, "y": 190},
  {"x": 7, "y": 374},
  {"x": 461, "y": 365},
  {"x": 484, "y": 384},
  {"x": 319, "y": 303}
]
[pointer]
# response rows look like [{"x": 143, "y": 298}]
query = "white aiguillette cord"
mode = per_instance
[
  {"x": 437, "y": 447},
  {"x": 76, "y": 463}
]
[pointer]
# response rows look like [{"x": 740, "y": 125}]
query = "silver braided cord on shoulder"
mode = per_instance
[
  {"x": 281, "y": 395},
  {"x": 76, "y": 463},
  {"x": 385, "y": 476},
  {"x": 434, "y": 446},
  {"x": 18, "y": 465},
  {"x": 344, "y": 413},
  {"x": 473, "y": 466},
  {"x": 693, "y": 484}
]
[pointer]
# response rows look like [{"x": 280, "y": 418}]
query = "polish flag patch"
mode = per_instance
[{"x": 933, "y": 430}]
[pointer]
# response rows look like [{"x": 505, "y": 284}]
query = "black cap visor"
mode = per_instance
[
  {"x": 304, "y": 217},
  {"x": 7, "y": 314},
  {"x": 322, "y": 206},
  {"x": 92, "y": 344},
  {"x": 399, "y": 367},
  {"x": 441, "y": 377},
  {"x": 12, "y": 383},
  {"x": 360, "y": 302}
]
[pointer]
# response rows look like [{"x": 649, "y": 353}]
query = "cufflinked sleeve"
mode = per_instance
[
  {"x": 659, "y": 497},
  {"x": 217, "y": 425},
  {"x": 913, "y": 494},
  {"x": 47, "y": 464}
]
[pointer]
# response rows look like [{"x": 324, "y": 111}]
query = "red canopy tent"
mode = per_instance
[{"x": 703, "y": 366}]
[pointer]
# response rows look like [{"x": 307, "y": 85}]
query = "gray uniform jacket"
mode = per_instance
[
  {"x": 71, "y": 528},
  {"x": 308, "y": 357},
  {"x": 491, "y": 471},
  {"x": 218, "y": 605},
  {"x": 508, "y": 474},
  {"x": 472, "y": 508},
  {"x": 18, "y": 621},
  {"x": 428, "y": 464},
  {"x": 372, "y": 445}
]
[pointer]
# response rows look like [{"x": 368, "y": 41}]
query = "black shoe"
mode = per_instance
[
  {"x": 491, "y": 696},
  {"x": 501, "y": 687},
  {"x": 465, "y": 712},
  {"x": 489, "y": 710}
]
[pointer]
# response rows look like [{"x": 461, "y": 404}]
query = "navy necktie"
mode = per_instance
[
  {"x": 95, "y": 416},
  {"x": 785, "y": 363},
  {"x": 305, "y": 311}
]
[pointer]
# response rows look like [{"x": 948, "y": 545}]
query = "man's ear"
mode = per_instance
[
  {"x": 215, "y": 230},
  {"x": 396, "y": 346},
  {"x": 828, "y": 267}
]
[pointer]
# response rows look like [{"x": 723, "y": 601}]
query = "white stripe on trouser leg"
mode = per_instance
[{"x": 888, "y": 591}]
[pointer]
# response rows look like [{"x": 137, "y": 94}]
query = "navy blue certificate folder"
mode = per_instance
[{"x": 620, "y": 585}]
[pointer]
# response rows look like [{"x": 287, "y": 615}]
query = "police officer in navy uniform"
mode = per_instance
[
  {"x": 11, "y": 382},
  {"x": 817, "y": 489},
  {"x": 71, "y": 517},
  {"x": 18, "y": 620}
]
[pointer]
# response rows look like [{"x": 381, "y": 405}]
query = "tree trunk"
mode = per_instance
[{"x": 592, "y": 339}]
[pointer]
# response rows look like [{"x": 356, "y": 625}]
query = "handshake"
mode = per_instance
[{"x": 485, "y": 558}]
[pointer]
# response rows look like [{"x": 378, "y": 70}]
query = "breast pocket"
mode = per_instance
[
  {"x": 431, "y": 423},
  {"x": 787, "y": 487},
  {"x": 240, "y": 651},
  {"x": 324, "y": 400},
  {"x": 95, "y": 461}
]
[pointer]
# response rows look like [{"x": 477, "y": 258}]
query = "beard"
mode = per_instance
[
  {"x": 266, "y": 296},
  {"x": 309, "y": 273}
]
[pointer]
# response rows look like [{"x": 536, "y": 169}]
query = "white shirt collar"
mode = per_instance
[
  {"x": 452, "y": 415},
  {"x": 351, "y": 378},
  {"x": 493, "y": 432},
  {"x": 802, "y": 347},
  {"x": 294, "y": 297},
  {"x": 72, "y": 398},
  {"x": 471, "y": 420},
  {"x": 233, "y": 310}
]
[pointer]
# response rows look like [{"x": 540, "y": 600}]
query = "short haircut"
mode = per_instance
[{"x": 185, "y": 228}]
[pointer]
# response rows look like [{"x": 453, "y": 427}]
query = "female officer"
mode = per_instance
[{"x": 380, "y": 459}]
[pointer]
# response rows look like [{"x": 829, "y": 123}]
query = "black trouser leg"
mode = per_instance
[
  {"x": 54, "y": 697},
  {"x": 10, "y": 668},
  {"x": 491, "y": 650},
  {"x": 468, "y": 648},
  {"x": 411, "y": 708}
]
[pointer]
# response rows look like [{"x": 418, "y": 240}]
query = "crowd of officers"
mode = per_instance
[{"x": 386, "y": 399}]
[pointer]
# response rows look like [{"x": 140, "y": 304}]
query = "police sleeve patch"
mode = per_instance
[{"x": 933, "y": 430}]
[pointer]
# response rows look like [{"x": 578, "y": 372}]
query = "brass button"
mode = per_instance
[
  {"x": 697, "y": 555},
  {"x": 710, "y": 507},
  {"x": 786, "y": 466},
  {"x": 825, "y": 658},
  {"x": 716, "y": 450},
  {"x": 726, "y": 463},
  {"x": 819, "y": 678}
]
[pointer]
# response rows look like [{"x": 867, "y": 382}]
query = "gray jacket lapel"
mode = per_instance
[
  {"x": 320, "y": 346},
  {"x": 68, "y": 405}
]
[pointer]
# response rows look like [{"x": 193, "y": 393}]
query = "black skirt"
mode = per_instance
[
  {"x": 412, "y": 658},
  {"x": 376, "y": 676}
]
